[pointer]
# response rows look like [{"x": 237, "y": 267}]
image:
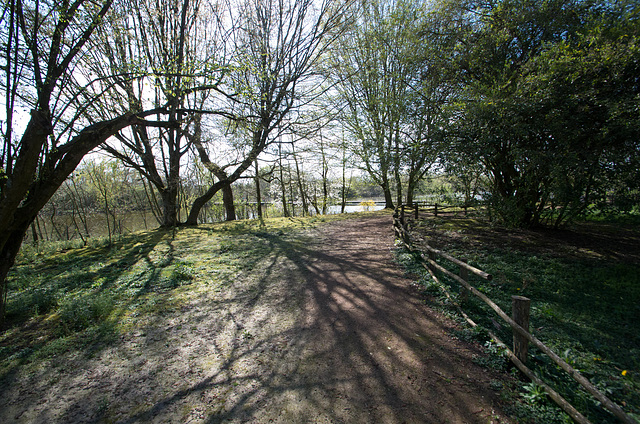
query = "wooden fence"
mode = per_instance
[
  {"x": 435, "y": 208},
  {"x": 518, "y": 322}
]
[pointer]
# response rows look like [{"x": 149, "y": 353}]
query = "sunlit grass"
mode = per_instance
[{"x": 66, "y": 297}]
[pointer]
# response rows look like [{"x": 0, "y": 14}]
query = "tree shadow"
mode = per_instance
[
  {"x": 60, "y": 328},
  {"x": 320, "y": 326},
  {"x": 360, "y": 347}
]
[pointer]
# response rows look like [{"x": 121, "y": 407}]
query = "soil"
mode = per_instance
[{"x": 327, "y": 330}]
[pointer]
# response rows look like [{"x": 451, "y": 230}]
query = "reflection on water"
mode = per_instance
[
  {"x": 72, "y": 227},
  {"x": 350, "y": 209},
  {"x": 275, "y": 211}
]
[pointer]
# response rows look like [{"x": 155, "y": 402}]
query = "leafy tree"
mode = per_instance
[
  {"x": 585, "y": 90},
  {"x": 549, "y": 102},
  {"x": 364, "y": 84},
  {"x": 42, "y": 43},
  {"x": 391, "y": 87}
]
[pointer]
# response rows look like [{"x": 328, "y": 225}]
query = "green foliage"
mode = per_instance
[
  {"x": 584, "y": 307},
  {"x": 184, "y": 272},
  {"x": 533, "y": 393},
  {"x": 494, "y": 358},
  {"x": 528, "y": 413},
  {"x": 81, "y": 312},
  {"x": 39, "y": 301},
  {"x": 550, "y": 107},
  {"x": 391, "y": 83}
]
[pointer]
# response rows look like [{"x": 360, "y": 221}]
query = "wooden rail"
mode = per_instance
[
  {"x": 436, "y": 208},
  {"x": 555, "y": 396},
  {"x": 400, "y": 228}
]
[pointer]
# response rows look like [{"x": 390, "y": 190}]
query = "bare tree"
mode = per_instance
[
  {"x": 276, "y": 47},
  {"x": 165, "y": 52}
]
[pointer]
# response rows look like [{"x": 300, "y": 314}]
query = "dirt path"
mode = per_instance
[
  {"x": 323, "y": 329},
  {"x": 375, "y": 353}
]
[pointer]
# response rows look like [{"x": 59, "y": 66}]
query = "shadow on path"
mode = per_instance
[{"x": 324, "y": 328}]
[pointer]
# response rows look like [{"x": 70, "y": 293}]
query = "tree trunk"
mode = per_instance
[
  {"x": 388, "y": 198},
  {"x": 291, "y": 194},
  {"x": 197, "y": 205},
  {"x": 283, "y": 189},
  {"x": 34, "y": 234},
  {"x": 169, "y": 197},
  {"x": 411, "y": 186},
  {"x": 325, "y": 177},
  {"x": 303, "y": 196},
  {"x": 227, "y": 200},
  {"x": 398, "y": 190},
  {"x": 343, "y": 191},
  {"x": 258, "y": 192},
  {"x": 11, "y": 247},
  {"x": 325, "y": 192}
]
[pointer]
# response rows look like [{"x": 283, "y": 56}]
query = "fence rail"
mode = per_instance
[
  {"x": 520, "y": 333},
  {"x": 435, "y": 208}
]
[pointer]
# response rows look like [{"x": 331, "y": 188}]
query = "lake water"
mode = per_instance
[{"x": 62, "y": 227}]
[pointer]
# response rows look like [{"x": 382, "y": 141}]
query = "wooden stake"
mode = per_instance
[
  {"x": 589, "y": 387},
  {"x": 555, "y": 396},
  {"x": 520, "y": 312},
  {"x": 464, "y": 274}
]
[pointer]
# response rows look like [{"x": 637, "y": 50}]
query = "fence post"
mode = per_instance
[
  {"x": 416, "y": 210},
  {"x": 464, "y": 274},
  {"x": 436, "y": 210},
  {"x": 432, "y": 256},
  {"x": 520, "y": 313}
]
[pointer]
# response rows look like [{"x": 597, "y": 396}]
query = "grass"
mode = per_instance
[
  {"x": 585, "y": 290},
  {"x": 65, "y": 298}
]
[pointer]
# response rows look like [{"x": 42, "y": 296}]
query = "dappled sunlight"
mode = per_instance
[{"x": 310, "y": 326}]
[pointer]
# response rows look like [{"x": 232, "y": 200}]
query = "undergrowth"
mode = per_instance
[{"x": 585, "y": 308}]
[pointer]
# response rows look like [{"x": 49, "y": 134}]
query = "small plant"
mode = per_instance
[
  {"x": 496, "y": 385},
  {"x": 43, "y": 300},
  {"x": 184, "y": 272},
  {"x": 533, "y": 393},
  {"x": 495, "y": 358},
  {"x": 83, "y": 312},
  {"x": 429, "y": 286},
  {"x": 471, "y": 334},
  {"x": 227, "y": 246},
  {"x": 494, "y": 348},
  {"x": 103, "y": 406}
]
